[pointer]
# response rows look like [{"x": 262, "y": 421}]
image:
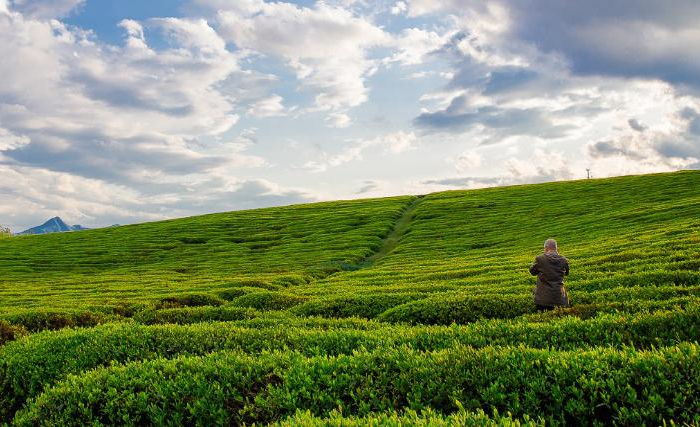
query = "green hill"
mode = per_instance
[{"x": 371, "y": 307}]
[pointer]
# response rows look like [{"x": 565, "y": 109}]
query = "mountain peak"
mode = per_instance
[{"x": 53, "y": 225}]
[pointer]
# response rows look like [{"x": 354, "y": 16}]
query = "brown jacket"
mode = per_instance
[{"x": 550, "y": 270}]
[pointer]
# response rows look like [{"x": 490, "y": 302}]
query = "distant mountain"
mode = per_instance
[{"x": 54, "y": 225}]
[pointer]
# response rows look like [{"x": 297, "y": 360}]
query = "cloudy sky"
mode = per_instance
[{"x": 128, "y": 111}]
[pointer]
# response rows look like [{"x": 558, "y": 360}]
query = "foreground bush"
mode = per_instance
[
  {"x": 604, "y": 385},
  {"x": 30, "y": 365}
]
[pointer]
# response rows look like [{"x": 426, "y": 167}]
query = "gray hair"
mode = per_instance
[{"x": 550, "y": 245}]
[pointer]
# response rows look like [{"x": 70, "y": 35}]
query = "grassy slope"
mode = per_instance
[
  {"x": 460, "y": 256},
  {"x": 478, "y": 241},
  {"x": 482, "y": 241},
  {"x": 199, "y": 253}
]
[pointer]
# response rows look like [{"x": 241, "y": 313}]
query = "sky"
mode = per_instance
[{"x": 116, "y": 112}]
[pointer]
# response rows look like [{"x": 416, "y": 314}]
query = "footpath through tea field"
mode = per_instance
[{"x": 414, "y": 310}]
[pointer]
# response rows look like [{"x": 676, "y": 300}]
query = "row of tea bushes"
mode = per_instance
[
  {"x": 603, "y": 385},
  {"x": 34, "y": 363},
  {"x": 465, "y": 307}
]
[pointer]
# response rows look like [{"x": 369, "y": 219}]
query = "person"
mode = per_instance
[{"x": 550, "y": 269}]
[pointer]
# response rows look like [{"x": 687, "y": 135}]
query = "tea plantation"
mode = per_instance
[{"x": 412, "y": 310}]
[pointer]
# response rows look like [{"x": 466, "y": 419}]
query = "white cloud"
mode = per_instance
[
  {"x": 634, "y": 39},
  {"x": 45, "y": 9},
  {"x": 134, "y": 31},
  {"x": 398, "y": 8},
  {"x": 413, "y": 44},
  {"x": 468, "y": 160},
  {"x": 268, "y": 107},
  {"x": 338, "y": 120},
  {"x": 325, "y": 46},
  {"x": 535, "y": 91},
  {"x": 72, "y": 96},
  {"x": 396, "y": 142},
  {"x": 30, "y": 196},
  {"x": 9, "y": 141},
  {"x": 194, "y": 34},
  {"x": 643, "y": 152},
  {"x": 391, "y": 143},
  {"x": 542, "y": 166},
  {"x": 84, "y": 122}
]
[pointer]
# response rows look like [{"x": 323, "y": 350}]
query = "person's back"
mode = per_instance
[{"x": 550, "y": 269}]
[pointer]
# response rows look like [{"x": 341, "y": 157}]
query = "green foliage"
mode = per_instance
[
  {"x": 193, "y": 315},
  {"x": 52, "y": 356},
  {"x": 42, "y": 319},
  {"x": 279, "y": 247},
  {"x": 266, "y": 300},
  {"x": 450, "y": 308},
  {"x": 601, "y": 385},
  {"x": 367, "y": 306},
  {"x": 189, "y": 300},
  {"x": 264, "y": 315}
]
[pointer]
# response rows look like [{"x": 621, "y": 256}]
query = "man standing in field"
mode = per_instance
[{"x": 550, "y": 269}]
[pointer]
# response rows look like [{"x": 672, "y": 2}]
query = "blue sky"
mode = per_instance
[{"x": 129, "y": 111}]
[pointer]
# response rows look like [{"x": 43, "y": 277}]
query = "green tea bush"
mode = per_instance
[
  {"x": 634, "y": 294},
  {"x": 459, "y": 308},
  {"x": 251, "y": 283},
  {"x": 220, "y": 390},
  {"x": 587, "y": 311},
  {"x": 50, "y": 357},
  {"x": 290, "y": 280},
  {"x": 601, "y": 385},
  {"x": 233, "y": 293},
  {"x": 267, "y": 300},
  {"x": 365, "y": 305},
  {"x": 123, "y": 309},
  {"x": 46, "y": 319},
  {"x": 647, "y": 278},
  {"x": 188, "y": 315},
  {"x": 189, "y": 300}
]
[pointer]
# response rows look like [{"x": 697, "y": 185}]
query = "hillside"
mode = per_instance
[{"x": 351, "y": 303}]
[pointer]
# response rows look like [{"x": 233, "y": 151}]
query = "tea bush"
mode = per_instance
[
  {"x": 601, "y": 385},
  {"x": 50, "y": 357}
]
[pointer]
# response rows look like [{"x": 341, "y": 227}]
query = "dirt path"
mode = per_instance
[{"x": 392, "y": 240}]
